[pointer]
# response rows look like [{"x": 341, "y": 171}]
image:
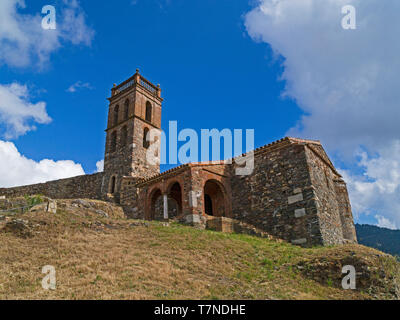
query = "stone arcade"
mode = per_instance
[{"x": 294, "y": 192}]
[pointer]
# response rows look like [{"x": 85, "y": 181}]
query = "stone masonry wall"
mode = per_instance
[
  {"x": 87, "y": 186},
  {"x": 278, "y": 197},
  {"x": 334, "y": 210},
  {"x": 348, "y": 227},
  {"x": 129, "y": 198},
  {"x": 322, "y": 178}
]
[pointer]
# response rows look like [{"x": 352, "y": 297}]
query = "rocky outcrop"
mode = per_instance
[
  {"x": 19, "y": 227},
  {"x": 376, "y": 274}
]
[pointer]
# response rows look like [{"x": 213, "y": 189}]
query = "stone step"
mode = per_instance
[{"x": 229, "y": 225}]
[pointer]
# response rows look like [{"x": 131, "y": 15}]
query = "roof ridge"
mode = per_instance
[{"x": 229, "y": 161}]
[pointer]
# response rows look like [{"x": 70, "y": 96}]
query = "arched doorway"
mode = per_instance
[
  {"x": 214, "y": 199},
  {"x": 174, "y": 200}
]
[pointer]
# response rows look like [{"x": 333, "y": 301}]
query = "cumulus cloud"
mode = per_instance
[
  {"x": 24, "y": 42},
  {"x": 385, "y": 223},
  {"x": 376, "y": 191},
  {"x": 16, "y": 170},
  {"x": 79, "y": 85},
  {"x": 100, "y": 166},
  {"x": 17, "y": 113},
  {"x": 346, "y": 82}
]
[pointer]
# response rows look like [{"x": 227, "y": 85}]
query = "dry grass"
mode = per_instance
[{"x": 114, "y": 258}]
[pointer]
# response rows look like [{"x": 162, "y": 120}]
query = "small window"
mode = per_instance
[
  {"x": 113, "y": 144},
  {"x": 126, "y": 110},
  {"x": 146, "y": 144},
  {"x": 112, "y": 185},
  {"x": 124, "y": 135},
  {"x": 148, "y": 111},
  {"x": 116, "y": 112}
]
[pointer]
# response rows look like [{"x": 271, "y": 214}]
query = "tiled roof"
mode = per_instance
[{"x": 286, "y": 140}]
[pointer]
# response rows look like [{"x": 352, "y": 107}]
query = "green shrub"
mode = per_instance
[{"x": 34, "y": 200}]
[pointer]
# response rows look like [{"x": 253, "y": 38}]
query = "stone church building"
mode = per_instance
[{"x": 294, "y": 192}]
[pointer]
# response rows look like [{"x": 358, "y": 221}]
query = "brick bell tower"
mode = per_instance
[{"x": 135, "y": 109}]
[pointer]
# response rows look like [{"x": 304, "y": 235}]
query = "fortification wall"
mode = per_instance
[
  {"x": 278, "y": 197},
  {"x": 87, "y": 186},
  {"x": 129, "y": 198}
]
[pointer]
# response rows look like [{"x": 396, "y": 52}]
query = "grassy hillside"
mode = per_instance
[
  {"x": 382, "y": 239},
  {"x": 100, "y": 255}
]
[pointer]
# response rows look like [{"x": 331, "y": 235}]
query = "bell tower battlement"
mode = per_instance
[{"x": 134, "y": 109}]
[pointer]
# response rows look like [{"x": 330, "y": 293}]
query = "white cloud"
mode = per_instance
[
  {"x": 17, "y": 113},
  {"x": 376, "y": 191},
  {"x": 100, "y": 166},
  {"x": 346, "y": 82},
  {"x": 385, "y": 223},
  {"x": 79, "y": 85},
  {"x": 23, "y": 42},
  {"x": 16, "y": 170}
]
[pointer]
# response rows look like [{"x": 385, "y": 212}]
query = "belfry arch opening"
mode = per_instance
[
  {"x": 149, "y": 111},
  {"x": 214, "y": 199},
  {"x": 126, "y": 109},
  {"x": 116, "y": 113}
]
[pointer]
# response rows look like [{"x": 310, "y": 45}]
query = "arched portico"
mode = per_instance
[
  {"x": 164, "y": 202},
  {"x": 174, "y": 193},
  {"x": 154, "y": 204}
]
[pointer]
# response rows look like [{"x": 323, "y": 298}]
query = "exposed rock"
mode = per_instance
[
  {"x": 139, "y": 224},
  {"x": 101, "y": 213},
  {"x": 88, "y": 207},
  {"x": 19, "y": 228},
  {"x": 52, "y": 206},
  {"x": 372, "y": 275},
  {"x": 81, "y": 203},
  {"x": 39, "y": 208},
  {"x": 48, "y": 206}
]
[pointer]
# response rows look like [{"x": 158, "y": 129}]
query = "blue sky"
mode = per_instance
[
  {"x": 197, "y": 50},
  {"x": 214, "y": 61}
]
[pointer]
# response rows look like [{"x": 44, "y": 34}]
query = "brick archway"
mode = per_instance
[
  {"x": 215, "y": 199},
  {"x": 174, "y": 192},
  {"x": 153, "y": 201}
]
